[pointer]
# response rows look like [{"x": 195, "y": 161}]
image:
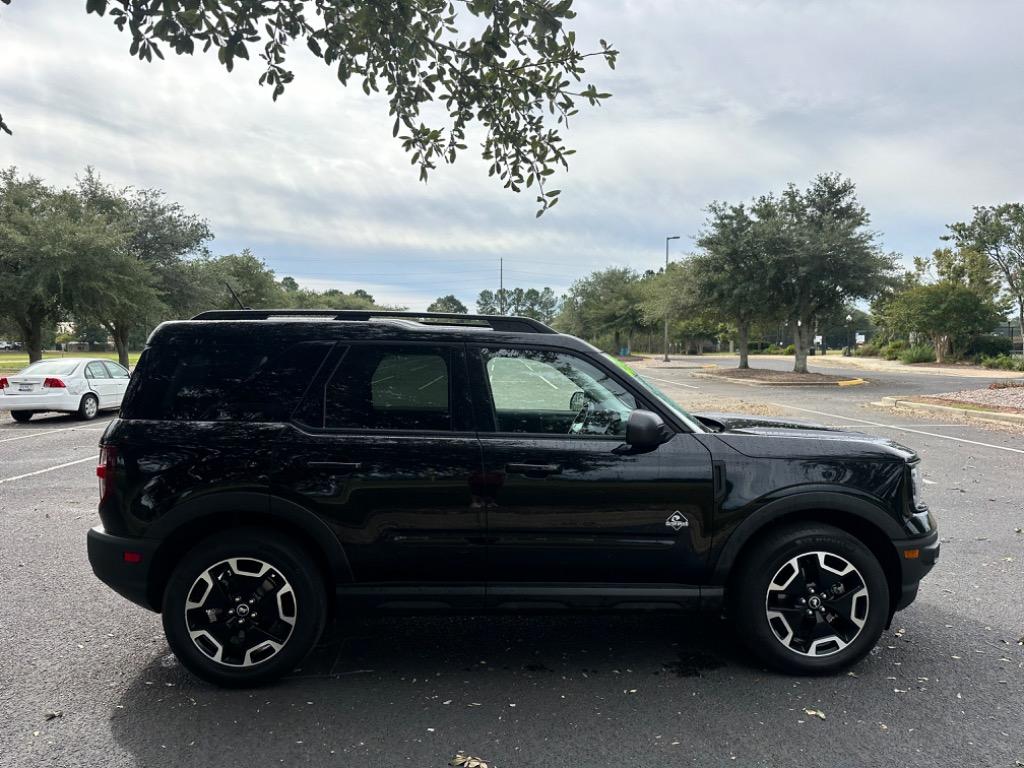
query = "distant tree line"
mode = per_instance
[
  {"x": 798, "y": 264},
  {"x": 118, "y": 261}
]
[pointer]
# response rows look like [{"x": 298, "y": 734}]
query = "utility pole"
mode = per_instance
[
  {"x": 670, "y": 237},
  {"x": 501, "y": 286}
]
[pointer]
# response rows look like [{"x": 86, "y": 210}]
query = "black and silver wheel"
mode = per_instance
[
  {"x": 811, "y": 599},
  {"x": 89, "y": 407},
  {"x": 21, "y": 416},
  {"x": 244, "y": 607}
]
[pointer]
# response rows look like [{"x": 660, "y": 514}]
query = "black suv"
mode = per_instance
[{"x": 266, "y": 461}]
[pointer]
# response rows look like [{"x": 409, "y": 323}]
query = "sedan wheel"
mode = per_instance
[{"x": 89, "y": 407}]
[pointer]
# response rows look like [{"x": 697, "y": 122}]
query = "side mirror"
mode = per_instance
[
  {"x": 646, "y": 430},
  {"x": 577, "y": 400}
]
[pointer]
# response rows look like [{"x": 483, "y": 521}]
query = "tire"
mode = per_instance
[
  {"x": 88, "y": 408},
  {"x": 239, "y": 563},
  {"x": 772, "y": 581},
  {"x": 21, "y": 416}
]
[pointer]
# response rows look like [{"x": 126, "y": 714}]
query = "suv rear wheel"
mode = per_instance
[
  {"x": 810, "y": 599},
  {"x": 244, "y": 607}
]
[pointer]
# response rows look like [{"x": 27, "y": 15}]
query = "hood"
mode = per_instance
[{"x": 760, "y": 437}]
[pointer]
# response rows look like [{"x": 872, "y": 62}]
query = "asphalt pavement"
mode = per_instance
[{"x": 944, "y": 687}]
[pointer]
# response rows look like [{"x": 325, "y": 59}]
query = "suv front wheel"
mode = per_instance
[
  {"x": 810, "y": 599},
  {"x": 244, "y": 607}
]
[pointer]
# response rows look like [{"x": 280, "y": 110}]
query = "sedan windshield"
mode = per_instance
[
  {"x": 51, "y": 368},
  {"x": 660, "y": 396}
]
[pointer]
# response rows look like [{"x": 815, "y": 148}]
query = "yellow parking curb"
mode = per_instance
[{"x": 851, "y": 382}]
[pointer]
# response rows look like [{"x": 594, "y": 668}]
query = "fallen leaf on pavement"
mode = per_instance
[
  {"x": 814, "y": 713},
  {"x": 467, "y": 761},
  {"x": 54, "y": 714}
]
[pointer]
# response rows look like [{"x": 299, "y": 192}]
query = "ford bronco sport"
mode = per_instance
[{"x": 271, "y": 467}]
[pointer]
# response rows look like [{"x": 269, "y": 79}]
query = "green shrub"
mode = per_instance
[
  {"x": 790, "y": 350},
  {"x": 867, "y": 350},
  {"x": 1004, "y": 363},
  {"x": 919, "y": 353},
  {"x": 989, "y": 345},
  {"x": 894, "y": 350}
]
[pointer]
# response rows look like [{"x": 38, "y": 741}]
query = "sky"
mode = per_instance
[{"x": 921, "y": 103}]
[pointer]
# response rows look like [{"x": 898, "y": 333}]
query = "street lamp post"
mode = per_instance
[
  {"x": 670, "y": 237},
  {"x": 849, "y": 338}
]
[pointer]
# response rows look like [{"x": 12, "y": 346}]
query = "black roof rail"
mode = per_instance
[{"x": 495, "y": 322}]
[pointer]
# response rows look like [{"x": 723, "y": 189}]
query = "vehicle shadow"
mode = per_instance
[{"x": 382, "y": 679}]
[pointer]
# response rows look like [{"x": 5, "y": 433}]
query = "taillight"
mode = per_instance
[
  {"x": 105, "y": 470},
  {"x": 3, "y": 382},
  {"x": 53, "y": 384}
]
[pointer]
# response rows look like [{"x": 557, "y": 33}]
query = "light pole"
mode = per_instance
[
  {"x": 849, "y": 338},
  {"x": 670, "y": 237}
]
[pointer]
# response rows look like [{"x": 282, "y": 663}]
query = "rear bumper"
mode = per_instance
[
  {"x": 128, "y": 579},
  {"x": 914, "y": 568},
  {"x": 63, "y": 401}
]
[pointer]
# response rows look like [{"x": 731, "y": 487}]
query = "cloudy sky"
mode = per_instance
[{"x": 921, "y": 103}]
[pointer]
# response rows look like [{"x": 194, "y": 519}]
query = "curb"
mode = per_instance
[
  {"x": 755, "y": 383},
  {"x": 969, "y": 413}
]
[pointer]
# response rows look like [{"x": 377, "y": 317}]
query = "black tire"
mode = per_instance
[
  {"x": 89, "y": 407},
  {"x": 792, "y": 648},
  {"x": 21, "y": 416},
  {"x": 290, "y": 564}
]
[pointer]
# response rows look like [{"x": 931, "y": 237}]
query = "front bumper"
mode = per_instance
[
  {"x": 914, "y": 567},
  {"x": 107, "y": 556},
  {"x": 61, "y": 400}
]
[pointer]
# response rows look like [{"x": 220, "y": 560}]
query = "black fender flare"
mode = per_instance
[
  {"x": 776, "y": 510},
  {"x": 255, "y": 507}
]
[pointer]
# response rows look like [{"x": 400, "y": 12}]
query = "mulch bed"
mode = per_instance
[
  {"x": 775, "y": 377},
  {"x": 1008, "y": 400}
]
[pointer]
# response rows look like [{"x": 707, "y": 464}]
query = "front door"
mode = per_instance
[
  {"x": 568, "y": 501},
  {"x": 102, "y": 384},
  {"x": 383, "y": 450}
]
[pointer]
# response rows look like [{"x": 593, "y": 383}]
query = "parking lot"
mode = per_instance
[{"x": 87, "y": 678}]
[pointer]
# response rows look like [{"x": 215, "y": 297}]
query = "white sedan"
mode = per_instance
[{"x": 84, "y": 386}]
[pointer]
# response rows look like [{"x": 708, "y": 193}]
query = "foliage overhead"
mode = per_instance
[
  {"x": 448, "y": 304},
  {"x": 511, "y": 66}
]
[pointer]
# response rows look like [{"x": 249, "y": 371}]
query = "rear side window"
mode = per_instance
[
  {"x": 390, "y": 388},
  {"x": 222, "y": 382},
  {"x": 96, "y": 370}
]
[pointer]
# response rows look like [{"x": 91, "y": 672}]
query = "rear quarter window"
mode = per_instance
[{"x": 222, "y": 382}]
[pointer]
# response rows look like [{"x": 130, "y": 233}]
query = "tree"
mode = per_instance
[
  {"x": 540, "y": 305},
  {"x": 949, "y": 313},
  {"x": 448, "y": 304},
  {"x": 609, "y": 301},
  {"x": 731, "y": 273},
  {"x": 820, "y": 254},
  {"x": 519, "y": 77},
  {"x": 997, "y": 231},
  {"x": 487, "y": 303}
]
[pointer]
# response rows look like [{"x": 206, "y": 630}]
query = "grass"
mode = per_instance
[{"x": 12, "y": 362}]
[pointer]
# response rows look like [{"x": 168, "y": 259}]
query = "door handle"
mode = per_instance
[
  {"x": 336, "y": 466},
  {"x": 533, "y": 470}
]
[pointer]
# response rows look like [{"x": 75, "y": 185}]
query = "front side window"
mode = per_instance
[
  {"x": 390, "y": 388},
  {"x": 116, "y": 371},
  {"x": 95, "y": 370},
  {"x": 543, "y": 392}
]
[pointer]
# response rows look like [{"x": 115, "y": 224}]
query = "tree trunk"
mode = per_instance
[
  {"x": 32, "y": 338},
  {"x": 618, "y": 338},
  {"x": 799, "y": 342},
  {"x": 121, "y": 344},
  {"x": 744, "y": 343}
]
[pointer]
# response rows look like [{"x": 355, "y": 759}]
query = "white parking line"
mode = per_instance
[
  {"x": 48, "y": 469},
  {"x": 50, "y": 432},
  {"x": 669, "y": 381},
  {"x": 902, "y": 429}
]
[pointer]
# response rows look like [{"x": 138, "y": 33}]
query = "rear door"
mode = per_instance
[
  {"x": 384, "y": 451},
  {"x": 102, "y": 384}
]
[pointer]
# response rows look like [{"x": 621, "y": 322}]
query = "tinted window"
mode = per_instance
[
  {"x": 546, "y": 392},
  {"x": 116, "y": 371},
  {"x": 391, "y": 388},
  {"x": 222, "y": 382},
  {"x": 95, "y": 370}
]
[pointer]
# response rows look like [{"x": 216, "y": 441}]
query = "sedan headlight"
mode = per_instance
[{"x": 915, "y": 487}]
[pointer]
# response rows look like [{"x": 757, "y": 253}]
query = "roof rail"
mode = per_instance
[{"x": 495, "y": 322}]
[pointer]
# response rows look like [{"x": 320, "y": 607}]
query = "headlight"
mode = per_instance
[{"x": 915, "y": 487}]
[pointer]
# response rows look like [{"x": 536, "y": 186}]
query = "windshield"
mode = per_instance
[
  {"x": 660, "y": 396},
  {"x": 52, "y": 368}
]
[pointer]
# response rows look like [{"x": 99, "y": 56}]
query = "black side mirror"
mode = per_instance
[{"x": 645, "y": 430}]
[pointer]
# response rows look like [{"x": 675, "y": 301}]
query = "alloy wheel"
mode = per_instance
[
  {"x": 240, "y": 612},
  {"x": 817, "y": 603}
]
